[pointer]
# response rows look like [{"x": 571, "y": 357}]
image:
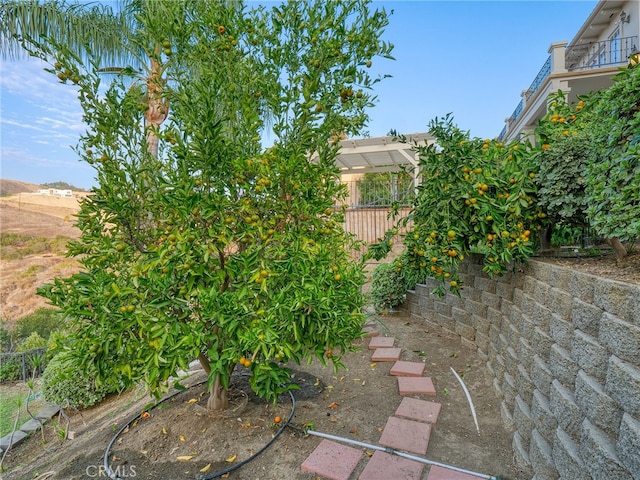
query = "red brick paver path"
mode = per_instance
[{"x": 408, "y": 430}]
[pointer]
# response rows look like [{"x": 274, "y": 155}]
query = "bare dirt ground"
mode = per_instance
[
  {"x": 626, "y": 269},
  {"x": 354, "y": 403}
]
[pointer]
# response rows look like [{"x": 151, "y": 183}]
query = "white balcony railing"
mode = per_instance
[
  {"x": 583, "y": 56},
  {"x": 606, "y": 53}
]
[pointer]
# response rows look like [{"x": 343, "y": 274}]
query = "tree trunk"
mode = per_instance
[
  {"x": 158, "y": 105},
  {"x": 218, "y": 399},
  {"x": 545, "y": 238},
  {"x": 618, "y": 247}
]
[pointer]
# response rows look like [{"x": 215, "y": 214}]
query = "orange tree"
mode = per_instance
[
  {"x": 475, "y": 196},
  {"x": 217, "y": 249}
]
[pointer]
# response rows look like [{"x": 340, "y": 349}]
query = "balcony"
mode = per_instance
[
  {"x": 607, "y": 53},
  {"x": 542, "y": 75},
  {"x": 577, "y": 58}
]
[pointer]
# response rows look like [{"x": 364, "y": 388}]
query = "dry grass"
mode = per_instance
[{"x": 34, "y": 230}]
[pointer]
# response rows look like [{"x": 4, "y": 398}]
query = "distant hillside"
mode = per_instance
[
  {"x": 63, "y": 186},
  {"x": 12, "y": 187}
]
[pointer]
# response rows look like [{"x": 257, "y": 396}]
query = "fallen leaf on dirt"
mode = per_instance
[
  {"x": 317, "y": 383},
  {"x": 368, "y": 453},
  {"x": 354, "y": 430},
  {"x": 164, "y": 431},
  {"x": 184, "y": 458},
  {"x": 182, "y": 439},
  {"x": 333, "y": 405},
  {"x": 333, "y": 419},
  {"x": 144, "y": 415},
  {"x": 342, "y": 378},
  {"x": 356, "y": 379},
  {"x": 232, "y": 458},
  {"x": 205, "y": 468},
  {"x": 193, "y": 400},
  {"x": 246, "y": 425},
  {"x": 373, "y": 365}
]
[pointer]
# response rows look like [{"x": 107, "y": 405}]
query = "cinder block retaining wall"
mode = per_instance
[{"x": 563, "y": 348}]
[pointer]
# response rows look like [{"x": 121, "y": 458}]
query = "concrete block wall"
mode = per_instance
[{"x": 563, "y": 348}]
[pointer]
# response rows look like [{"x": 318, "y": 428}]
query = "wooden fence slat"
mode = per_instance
[{"x": 370, "y": 224}]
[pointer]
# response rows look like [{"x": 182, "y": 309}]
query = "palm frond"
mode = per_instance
[{"x": 106, "y": 31}]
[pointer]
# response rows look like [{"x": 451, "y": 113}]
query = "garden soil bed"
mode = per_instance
[
  {"x": 355, "y": 403},
  {"x": 625, "y": 269}
]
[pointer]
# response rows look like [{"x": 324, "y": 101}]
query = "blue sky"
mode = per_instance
[{"x": 468, "y": 58}]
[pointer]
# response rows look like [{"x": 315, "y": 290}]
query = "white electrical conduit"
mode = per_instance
[
  {"x": 394, "y": 452},
  {"x": 466, "y": 392}
]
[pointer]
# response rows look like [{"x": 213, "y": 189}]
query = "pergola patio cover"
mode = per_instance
[{"x": 379, "y": 154}]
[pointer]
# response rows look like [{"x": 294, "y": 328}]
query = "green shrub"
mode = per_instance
[
  {"x": 32, "y": 341},
  {"x": 10, "y": 369},
  {"x": 16, "y": 245},
  {"x": 43, "y": 321},
  {"x": 11, "y": 365},
  {"x": 65, "y": 384},
  {"x": 411, "y": 275},
  {"x": 11, "y": 238},
  {"x": 561, "y": 176},
  {"x": 566, "y": 235},
  {"x": 32, "y": 271},
  {"x": 387, "y": 287},
  {"x": 6, "y": 339}
]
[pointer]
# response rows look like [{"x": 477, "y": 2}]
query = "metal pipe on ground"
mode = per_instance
[{"x": 394, "y": 452}]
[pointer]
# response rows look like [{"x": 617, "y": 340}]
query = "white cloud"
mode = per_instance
[
  {"x": 28, "y": 80},
  {"x": 25, "y": 158},
  {"x": 62, "y": 123},
  {"x": 27, "y": 126}
]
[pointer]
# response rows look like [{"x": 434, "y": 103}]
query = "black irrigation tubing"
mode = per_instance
[{"x": 115, "y": 476}]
